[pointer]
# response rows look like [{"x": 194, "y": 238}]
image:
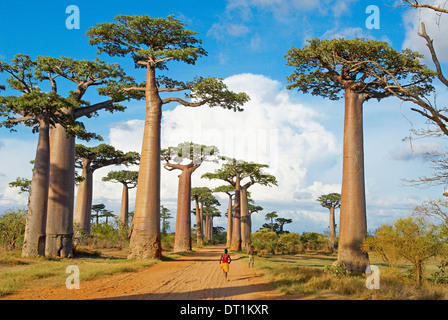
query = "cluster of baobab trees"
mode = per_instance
[
  {"x": 233, "y": 172},
  {"x": 357, "y": 70}
]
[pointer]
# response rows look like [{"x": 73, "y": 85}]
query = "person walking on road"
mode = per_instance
[
  {"x": 251, "y": 256},
  {"x": 225, "y": 263}
]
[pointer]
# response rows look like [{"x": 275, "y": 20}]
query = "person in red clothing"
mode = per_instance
[{"x": 225, "y": 262}]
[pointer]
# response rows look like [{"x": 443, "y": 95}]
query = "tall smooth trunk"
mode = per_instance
[
  {"x": 182, "y": 239},
  {"x": 245, "y": 221},
  {"x": 83, "y": 208},
  {"x": 199, "y": 228},
  {"x": 332, "y": 233},
  {"x": 353, "y": 222},
  {"x": 207, "y": 227},
  {"x": 229, "y": 222},
  {"x": 145, "y": 238},
  {"x": 211, "y": 229},
  {"x": 34, "y": 240},
  {"x": 236, "y": 232},
  {"x": 124, "y": 212},
  {"x": 61, "y": 193}
]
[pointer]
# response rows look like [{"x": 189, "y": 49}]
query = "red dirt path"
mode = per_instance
[{"x": 195, "y": 276}]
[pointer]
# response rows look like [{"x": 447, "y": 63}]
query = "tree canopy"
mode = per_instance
[
  {"x": 152, "y": 42},
  {"x": 129, "y": 178},
  {"x": 369, "y": 67},
  {"x": 104, "y": 155},
  {"x": 331, "y": 200}
]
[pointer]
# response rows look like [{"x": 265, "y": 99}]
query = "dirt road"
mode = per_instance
[{"x": 195, "y": 276}]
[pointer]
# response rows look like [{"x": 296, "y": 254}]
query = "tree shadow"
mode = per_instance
[{"x": 212, "y": 293}]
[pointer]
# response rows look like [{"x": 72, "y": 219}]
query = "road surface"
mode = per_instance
[{"x": 196, "y": 276}]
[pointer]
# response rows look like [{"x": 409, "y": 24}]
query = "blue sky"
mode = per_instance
[{"x": 246, "y": 42}]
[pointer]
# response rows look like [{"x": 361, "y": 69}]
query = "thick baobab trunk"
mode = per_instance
[
  {"x": 83, "y": 208},
  {"x": 236, "y": 231},
  {"x": 182, "y": 239},
  {"x": 245, "y": 221},
  {"x": 145, "y": 239},
  {"x": 332, "y": 233},
  {"x": 353, "y": 222},
  {"x": 59, "y": 242},
  {"x": 124, "y": 212},
  {"x": 199, "y": 228},
  {"x": 229, "y": 222},
  {"x": 36, "y": 218}
]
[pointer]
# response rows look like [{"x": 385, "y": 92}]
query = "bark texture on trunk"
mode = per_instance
[
  {"x": 353, "y": 222},
  {"x": 124, "y": 212},
  {"x": 59, "y": 242},
  {"x": 229, "y": 222},
  {"x": 245, "y": 221},
  {"x": 236, "y": 230},
  {"x": 145, "y": 237},
  {"x": 182, "y": 239},
  {"x": 36, "y": 218},
  {"x": 83, "y": 208}
]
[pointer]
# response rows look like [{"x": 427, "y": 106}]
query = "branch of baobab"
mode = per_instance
[
  {"x": 183, "y": 102},
  {"x": 429, "y": 44},
  {"x": 80, "y": 112},
  {"x": 415, "y": 4}
]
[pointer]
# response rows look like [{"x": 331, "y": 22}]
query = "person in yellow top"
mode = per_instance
[{"x": 225, "y": 262}]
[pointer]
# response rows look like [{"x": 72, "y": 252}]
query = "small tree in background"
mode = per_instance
[
  {"x": 129, "y": 181},
  {"x": 90, "y": 159},
  {"x": 331, "y": 201},
  {"x": 165, "y": 215},
  {"x": 271, "y": 216},
  {"x": 230, "y": 191}
]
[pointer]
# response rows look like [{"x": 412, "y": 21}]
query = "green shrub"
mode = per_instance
[
  {"x": 12, "y": 229},
  {"x": 265, "y": 241}
]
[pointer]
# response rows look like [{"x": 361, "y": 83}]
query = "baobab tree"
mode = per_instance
[
  {"x": 40, "y": 111},
  {"x": 90, "y": 159},
  {"x": 230, "y": 191},
  {"x": 271, "y": 216},
  {"x": 331, "y": 201},
  {"x": 165, "y": 215},
  {"x": 152, "y": 43},
  {"x": 200, "y": 195},
  {"x": 129, "y": 181},
  {"x": 254, "y": 172},
  {"x": 357, "y": 70},
  {"x": 186, "y": 157},
  {"x": 109, "y": 80},
  {"x": 233, "y": 172},
  {"x": 210, "y": 211}
]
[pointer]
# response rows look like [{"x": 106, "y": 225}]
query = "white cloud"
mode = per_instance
[
  {"x": 414, "y": 149},
  {"x": 436, "y": 27},
  {"x": 223, "y": 30}
]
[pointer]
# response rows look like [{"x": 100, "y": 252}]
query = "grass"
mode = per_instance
[
  {"x": 21, "y": 273},
  {"x": 311, "y": 276}
]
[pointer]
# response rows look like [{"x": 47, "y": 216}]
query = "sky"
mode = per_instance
[{"x": 298, "y": 135}]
